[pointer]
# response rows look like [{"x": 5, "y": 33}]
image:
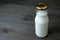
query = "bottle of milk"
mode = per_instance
[{"x": 41, "y": 20}]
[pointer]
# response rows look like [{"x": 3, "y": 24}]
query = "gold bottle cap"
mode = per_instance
[{"x": 41, "y": 6}]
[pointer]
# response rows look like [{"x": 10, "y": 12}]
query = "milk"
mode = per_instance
[{"x": 41, "y": 23}]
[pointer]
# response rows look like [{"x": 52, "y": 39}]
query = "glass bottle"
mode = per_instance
[{"x": 41, "y": 20}]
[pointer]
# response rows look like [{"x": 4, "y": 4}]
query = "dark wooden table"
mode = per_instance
[{"x": 17, "y": 23}]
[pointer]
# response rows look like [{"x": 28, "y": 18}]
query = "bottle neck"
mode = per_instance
[{"x": 41, "y": 12}]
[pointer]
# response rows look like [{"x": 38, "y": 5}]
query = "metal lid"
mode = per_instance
[{"x": 41, "y": 6}]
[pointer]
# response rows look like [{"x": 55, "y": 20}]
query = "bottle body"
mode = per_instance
[{"x": 41, "y": 23}]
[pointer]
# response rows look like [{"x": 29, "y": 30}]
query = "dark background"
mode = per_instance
[{"x": 17, "y": 19}]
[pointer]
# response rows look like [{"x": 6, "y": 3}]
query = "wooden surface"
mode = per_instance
[{"x": 17, "y": 23}]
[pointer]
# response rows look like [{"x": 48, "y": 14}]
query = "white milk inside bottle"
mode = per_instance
[{"x": 41, "y": 20}]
